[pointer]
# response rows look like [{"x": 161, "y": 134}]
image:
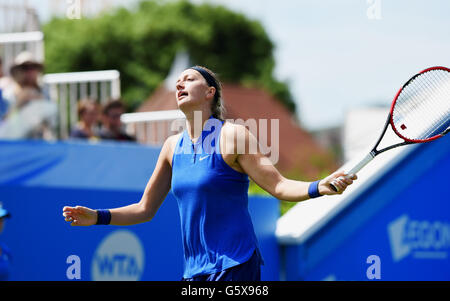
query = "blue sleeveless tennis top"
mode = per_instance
[{"x": 216, "y": 228}]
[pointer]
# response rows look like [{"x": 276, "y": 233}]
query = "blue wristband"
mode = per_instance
[
  {"x": 313, "y": 189},
  {"x": 103, "y": 217}
]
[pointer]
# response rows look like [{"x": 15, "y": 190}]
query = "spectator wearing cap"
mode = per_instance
[
  {"x": 112, "y": 128},
  {"x": 5, "y": 253},
  {"x": 30, "y": 113},
  {"x": 25, "y": 72},
  {"x": 88, "y": 116}
]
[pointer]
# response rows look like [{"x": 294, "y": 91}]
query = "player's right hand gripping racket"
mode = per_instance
[{"x": 420, "y": 112}]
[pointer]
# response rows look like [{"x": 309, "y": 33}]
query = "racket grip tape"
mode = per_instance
[{"x": 357, "y": 168}]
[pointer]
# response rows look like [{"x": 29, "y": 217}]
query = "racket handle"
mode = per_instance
[
  {"x": 357, "y": 168},
  {"x": 362, "y": 163}
]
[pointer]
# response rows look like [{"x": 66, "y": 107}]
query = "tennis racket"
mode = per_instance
[{"x": 420, "y": 112}]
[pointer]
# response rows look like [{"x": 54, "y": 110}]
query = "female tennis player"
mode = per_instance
[{"x": 209, "y": 178}]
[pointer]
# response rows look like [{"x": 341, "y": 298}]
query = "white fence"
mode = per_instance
[
  {"x": 153, "y": 128},
  {"x": 19, "y": 31},
  {"x": 21, "y": 25},
  {"x": 68, "y": 88},
  {"x": 11, "y": 44}
]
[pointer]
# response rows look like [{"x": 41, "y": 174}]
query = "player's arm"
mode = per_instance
[
  {"x": 261, "y": 170},
  {"x": 154, "y": 194}
]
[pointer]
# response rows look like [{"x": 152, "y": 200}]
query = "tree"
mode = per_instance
[{"x": 142, "y": 43}]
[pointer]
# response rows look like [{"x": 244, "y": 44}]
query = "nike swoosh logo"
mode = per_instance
[{"x": 202, "y": 158}]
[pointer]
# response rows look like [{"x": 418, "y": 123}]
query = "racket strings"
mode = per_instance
[
  {"x": 438, "y": 114},
  {"x": 434, "y": 116},
  {"x": 445, "y": 114},
  {"x": 422, "y": 109},
  {"x": 445, "y": 91}
]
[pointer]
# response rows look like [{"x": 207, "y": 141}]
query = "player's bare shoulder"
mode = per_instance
[
  {"x": 236, "y": 137},
  {"x": 228, "y": 138}
]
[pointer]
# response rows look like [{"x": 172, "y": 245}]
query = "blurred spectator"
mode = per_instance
[
  {"x": 3, "y": 106},
  {"x": 88, "y": 117},
  {"x": 4, "y": 82},
  {"x": 5, "y": 253},
  {"x": 30, "y": 113},
  {"x": 112, "y": 126},
  {"x": 25, "y": 71}
]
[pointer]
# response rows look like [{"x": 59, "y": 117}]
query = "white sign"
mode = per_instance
[
  {"x": 119, "y": 257},
  {"x": 421, "y": 239}
]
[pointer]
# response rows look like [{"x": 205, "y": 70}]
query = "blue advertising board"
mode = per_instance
[
  {"x": 37, "y": 179},
  {"x": 396, "y": 229}
]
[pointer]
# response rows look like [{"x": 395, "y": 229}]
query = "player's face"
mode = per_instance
[{"x": 191, "y": 88}]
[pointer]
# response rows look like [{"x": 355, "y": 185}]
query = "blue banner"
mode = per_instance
[
  {"x": 397, "y": 229},
  {"x": 37, "y": 179}
]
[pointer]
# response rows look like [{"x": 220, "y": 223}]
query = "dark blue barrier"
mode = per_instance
[
  {"x": 399, "y": 227},
  {"x": 37, "y": 179}
]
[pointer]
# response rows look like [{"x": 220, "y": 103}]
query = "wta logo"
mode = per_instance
[
  {"x": 119, "y": 257},
  {"x": 420, "y": 239}
]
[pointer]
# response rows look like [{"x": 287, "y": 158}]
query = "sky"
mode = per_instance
[{"x": 340, "y": 55}]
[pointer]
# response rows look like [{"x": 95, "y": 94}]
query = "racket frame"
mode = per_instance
[
  {"x": 390, "y": 121},
  {"x": 374, "y": 152},
  {"x": 391, "y": 111}
]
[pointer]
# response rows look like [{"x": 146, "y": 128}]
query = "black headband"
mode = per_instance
[{"x": 208, "y": 77}]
